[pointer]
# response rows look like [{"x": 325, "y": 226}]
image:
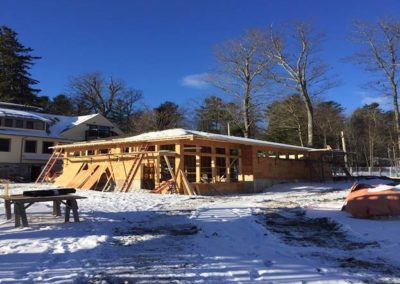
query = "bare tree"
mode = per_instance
[
  {"x": 242, "y": 72},
  {"x": 380, "y": 55},
  {"x": 92, "y": 93},
  {"x": 294, "y": 50},
  {"x": 101, "y": 95}
]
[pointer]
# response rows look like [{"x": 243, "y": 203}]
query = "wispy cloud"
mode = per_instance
[{"x": 198, "y": 81}]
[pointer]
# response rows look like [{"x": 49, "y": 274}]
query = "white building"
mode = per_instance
[{"x": 26, "y": 135}]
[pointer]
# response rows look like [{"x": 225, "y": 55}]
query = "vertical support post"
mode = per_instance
[
  {"x": 56, "y": 208},
  {"x": 7, "y": 205},
  {"x": 228, "y": 165},
  {"x": 157, "y": 164},
  {"x": 198, "y": 167},
  {"x": 179, "y": 164},
  {"x": 214, "y": 166},
  {"x": 240, "y": 165},
  {"x": 67, "y": 211},
  {"x": 17, "y": 215}
]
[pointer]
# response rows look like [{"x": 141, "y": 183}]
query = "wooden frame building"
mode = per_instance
[{"x": 186, "y": 162}]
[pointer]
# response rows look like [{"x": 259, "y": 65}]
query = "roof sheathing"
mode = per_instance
[{"x": 182, "y": 134}]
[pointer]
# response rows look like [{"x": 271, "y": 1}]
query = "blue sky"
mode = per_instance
[{"x": 155, "y": 45}]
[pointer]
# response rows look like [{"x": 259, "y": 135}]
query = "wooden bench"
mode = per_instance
[{"x": 21, "y": 203}]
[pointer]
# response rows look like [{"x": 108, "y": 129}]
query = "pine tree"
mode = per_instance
[
  {"x": 15, "y": 61},
  {"x": 212, "y": 115}
]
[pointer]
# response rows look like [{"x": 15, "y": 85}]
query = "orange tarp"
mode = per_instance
[{"x": 366, "y": 201}]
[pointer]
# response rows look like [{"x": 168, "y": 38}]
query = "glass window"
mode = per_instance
[
  {"x": 45, "y": 147},
  {"x": 234, "y": 152},
  {"x": 89, "y": 152},
  {"x": 29, "y": 124},
  {"x": 8, "y": 122},
  {"x": 30, "y": 146},
  {"x": 5, "y": 145},
  {"x": 220, "y": 151},
  {"x": 19, "y": 123},
  {"x": 39, "y": 125}
]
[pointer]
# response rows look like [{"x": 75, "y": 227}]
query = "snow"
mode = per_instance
[
  {"x": 180, "y": 132},
  {"x": 57, "y": 123},
  {"x": 5, "y": 112},
  {"x": 140, "y": 237}
]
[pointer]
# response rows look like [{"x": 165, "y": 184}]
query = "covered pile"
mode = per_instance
[{"x": 368, "y": 201}]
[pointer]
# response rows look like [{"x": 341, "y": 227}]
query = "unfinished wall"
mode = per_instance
[{"x": 211, "y": 166}]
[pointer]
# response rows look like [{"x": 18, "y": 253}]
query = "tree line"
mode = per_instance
[{"x": 274, "y": 77}]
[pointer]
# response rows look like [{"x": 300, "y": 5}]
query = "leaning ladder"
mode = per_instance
[
  {"x": 49, "y": 166},
  {"x": 135, "y": 166}
]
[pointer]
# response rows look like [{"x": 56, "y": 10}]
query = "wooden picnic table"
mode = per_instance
[{"x": 21, "y": 203}]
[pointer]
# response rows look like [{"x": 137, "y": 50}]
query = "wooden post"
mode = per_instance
[
  {"x": 228, "y": 166},
  {"x": 240, "y": 169},
  {"x": 17, "y": 215},
  {"x": 179, "y": 165},
  {"x": 157, "y": 170},
  {"x": 7, "y": 205},
  {"x": 67, "y": 211},
  {"x": 56, "y": 208},
  {"x": 198, "y": 167},
  {"x": 214, "y": 167},
  {"x": 74, "y": 207}
]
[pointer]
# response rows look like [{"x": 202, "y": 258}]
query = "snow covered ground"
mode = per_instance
[{"x": 292, "y": 233}]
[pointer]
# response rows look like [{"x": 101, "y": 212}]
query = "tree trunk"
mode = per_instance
[
  {"x": 246, "y": 99},
  {"x": 299, "y": 132},
  {"x": 246, "y": 114},
  {"x": 310, "y": 116},
  {"x": 396, "y": 113}
]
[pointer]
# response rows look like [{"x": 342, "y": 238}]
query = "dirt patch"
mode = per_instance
[
  {"x": 296, "y": 229},
  {"x": 174, "y": 230}
]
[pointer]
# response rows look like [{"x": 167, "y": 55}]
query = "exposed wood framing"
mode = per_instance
[{"x": 124, "y": 165}]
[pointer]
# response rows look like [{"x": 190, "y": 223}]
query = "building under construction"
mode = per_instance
[{"x": 186, "y": 162}]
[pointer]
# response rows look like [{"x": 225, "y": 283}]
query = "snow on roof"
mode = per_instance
[
  {"x": 184, "y": 133},
  {"x": 6, "y": 112},
  {"x": 56, "y": 123},
  {"x": 61, "y": 123}
]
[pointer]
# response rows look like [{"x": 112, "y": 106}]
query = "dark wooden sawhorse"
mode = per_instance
[{"x": 21, "y": 203}]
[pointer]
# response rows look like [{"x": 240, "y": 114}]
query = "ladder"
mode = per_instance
[
  {"x": 44, "y": 174},
  {"x": 135, "y": 166}
]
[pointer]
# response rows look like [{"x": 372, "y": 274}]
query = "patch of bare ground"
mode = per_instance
[
  {"x": 296, "y": 229},
  {"x": 341, "y": 249}
]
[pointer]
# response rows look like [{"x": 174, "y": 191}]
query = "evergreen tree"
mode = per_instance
[
  {"x": 212, "y": 116},
  {"x": 62, "y": 105},
  {"x": 167, "y": 116},
  {"x": 15, "y": 62},
  {"x": 287, "y": 121}
]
